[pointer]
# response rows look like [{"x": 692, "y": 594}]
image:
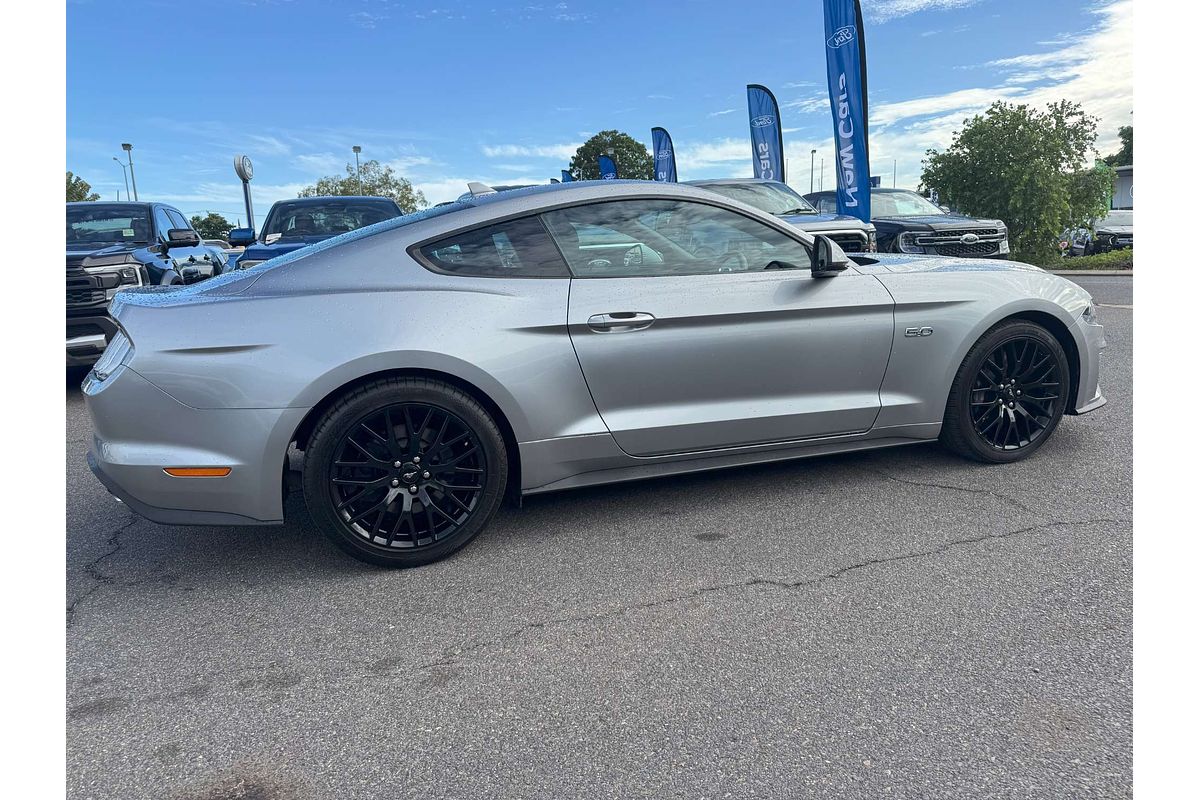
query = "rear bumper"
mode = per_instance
[{"x": 139, "y": 430}]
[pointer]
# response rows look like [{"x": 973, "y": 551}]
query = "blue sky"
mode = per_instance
[{"x": 501, "y": 92}]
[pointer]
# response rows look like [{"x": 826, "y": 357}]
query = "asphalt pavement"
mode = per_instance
[{"x": 899, "y": 623}]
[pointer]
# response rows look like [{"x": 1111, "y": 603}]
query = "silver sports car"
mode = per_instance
[{"x": 559, "y": 336}]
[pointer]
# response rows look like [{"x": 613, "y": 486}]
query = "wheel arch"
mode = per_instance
[
  {"x": 1059, "y": 330},
  {"x": 303, "y": 433}
]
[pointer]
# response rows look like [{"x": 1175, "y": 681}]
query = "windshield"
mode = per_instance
[
  {"x": 107, "y": 223},
  {"x": 773, "y": 198},
  {"x": 300, "y": 220},
  {"x": 902, "y": 204},
  {"x": 1118, "y": 218}
]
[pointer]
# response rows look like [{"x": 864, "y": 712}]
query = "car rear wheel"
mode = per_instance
[
  {"x": 405, "y": 471},
  {"x": 1009, "y": 394}
]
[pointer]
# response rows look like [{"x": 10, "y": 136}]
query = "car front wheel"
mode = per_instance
[
  {"x": 1009, "y": 394},
  {"x": 404, "y": 471}
]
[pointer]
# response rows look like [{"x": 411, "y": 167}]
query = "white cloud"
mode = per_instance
[
  {"x": 560, "y": 151},
  {"x": 722, "y": 112},
  {"x": 722, "y": 152},
  {"x": 884, "y": 10}
]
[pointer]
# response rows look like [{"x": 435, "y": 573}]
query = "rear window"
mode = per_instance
[{"x": 519, "y": 248}]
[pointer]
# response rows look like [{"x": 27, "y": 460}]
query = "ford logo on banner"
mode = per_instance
[
  {"x": 841, "y": 36},
  {"x": 762, "y": 122}
]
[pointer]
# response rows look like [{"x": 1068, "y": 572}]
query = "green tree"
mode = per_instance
[
  {"x": 633, "y": 159},
  {"x": 1124, "y": 156},
  {"x": 1029, "y": 167},
  {"x": 377, "y": 180},
  {"x": 79, "y": 189},
  {"x": 213, "y": 226}
]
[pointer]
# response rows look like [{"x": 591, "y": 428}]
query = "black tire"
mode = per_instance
[
  {"x": 377, "y": 425},
  {"x": 1003, "y": 391}
]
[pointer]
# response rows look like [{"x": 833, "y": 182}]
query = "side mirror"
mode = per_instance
[
  {"x": 241, "y": 237},
  {"x": 827, "y": 258},
  {"x": 182, "y": 237}
]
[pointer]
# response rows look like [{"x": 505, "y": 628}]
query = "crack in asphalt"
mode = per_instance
[
  {"x": 451, "y": 657},
  {"x": 970, "y": 490},
  {"x": 92, "y": 569}
]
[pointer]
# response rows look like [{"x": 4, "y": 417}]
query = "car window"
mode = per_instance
[
  {"x": 519, "y": 248},
  {"x": 177, "y": 220},
  {"x": 643, "y": 238},
  {"x": 162, "y": 222}
]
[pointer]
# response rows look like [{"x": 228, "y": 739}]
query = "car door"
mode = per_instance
[{"x": 709, "y": 331}]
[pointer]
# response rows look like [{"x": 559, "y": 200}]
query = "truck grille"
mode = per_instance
[
  {"x": 850, "y": 242},
  {"x": 977, "y": 249},
  {"x": 83, "y": 297}
]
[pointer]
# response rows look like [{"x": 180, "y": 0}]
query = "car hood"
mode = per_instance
[
  {"x": 894, "y": 262},
  {"x": 824, "y": 222},
  {"x": 1117, "y": 229},
  {"x": 938, "y": 222},
  {"x": 77, "y": 254}
]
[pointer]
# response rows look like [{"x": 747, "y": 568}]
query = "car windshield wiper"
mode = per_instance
[{"x": 791, "y": 211}]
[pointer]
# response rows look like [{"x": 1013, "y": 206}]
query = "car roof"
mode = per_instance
[{"x": 305, "y": 201}]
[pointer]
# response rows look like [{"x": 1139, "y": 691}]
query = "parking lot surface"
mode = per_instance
[{"x": 899, "y": 623}]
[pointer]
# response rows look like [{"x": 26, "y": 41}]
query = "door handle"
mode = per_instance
[{"x": 620, "y": 321}]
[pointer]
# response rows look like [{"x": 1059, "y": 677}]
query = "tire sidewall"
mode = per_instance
[
  {"x": 345, "y": 416},
  {"x": 970, "y": 369}
]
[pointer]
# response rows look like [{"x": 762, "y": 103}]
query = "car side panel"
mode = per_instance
[{"x": 955, "y": 308}]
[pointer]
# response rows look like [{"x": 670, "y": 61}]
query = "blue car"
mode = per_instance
[{"x": 293, "y": 224}]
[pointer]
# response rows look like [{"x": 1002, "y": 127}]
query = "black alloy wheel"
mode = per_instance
[
  {"x": 1016, "y": 393},
  {"x": 1009, "y": 394},
  {"x": 408, "y": 475},
  {"x": 404, "y": 471}
]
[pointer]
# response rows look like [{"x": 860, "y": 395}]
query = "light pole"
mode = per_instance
[
  {"x": 812, "y": 156},
  {"x": 128, "y": 148},
  {"x": 357, "y": 167},
  {"x": 893, "y": 173},
  {"x": 124, "y": 174},
  {"x": 822, "y": 173}
]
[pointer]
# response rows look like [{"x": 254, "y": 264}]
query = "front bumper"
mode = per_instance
[
  {"x": 139, "y": 430},
  {"x": 87, "y": 336},
  {"x": 1089, "y": 339}
]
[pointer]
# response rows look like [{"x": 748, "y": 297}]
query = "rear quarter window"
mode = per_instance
[{"x": 519, "y": 248}]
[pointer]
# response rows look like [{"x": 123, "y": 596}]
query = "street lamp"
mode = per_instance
[
  {"x": 812, "y": 158},
  {"x": 128, "y": 148},
  {"x": 124, "y": 174},
  {"x": 822, "y": 173},
  {"x": 357, "y": 167}
]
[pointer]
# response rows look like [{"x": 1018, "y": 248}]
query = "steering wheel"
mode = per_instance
[
  {"x": 599, "y": 263},
  {"x": 740, "y": 264}
]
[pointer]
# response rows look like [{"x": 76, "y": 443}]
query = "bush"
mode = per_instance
[{"x": 1113, "y": 259}]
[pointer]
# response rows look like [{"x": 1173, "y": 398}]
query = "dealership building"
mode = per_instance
[{"x": 1122, "y": 196}]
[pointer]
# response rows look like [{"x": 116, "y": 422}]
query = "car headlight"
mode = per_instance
[
  {"x": 908, "y": 243},
  {"x": 114, "y": 279}
]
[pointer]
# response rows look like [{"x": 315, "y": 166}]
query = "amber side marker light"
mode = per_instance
[{"x": 197, "y": 472}]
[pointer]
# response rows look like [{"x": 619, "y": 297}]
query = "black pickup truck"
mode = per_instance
[
  {"x": 905, "y": 222},
  {"x": 113, "y": 246}
]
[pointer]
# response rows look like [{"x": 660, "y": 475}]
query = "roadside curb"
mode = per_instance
[{"x": 1069, "y": 272}]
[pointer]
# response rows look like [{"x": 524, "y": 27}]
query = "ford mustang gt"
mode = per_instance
[{"x": 513, "y": 343}]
